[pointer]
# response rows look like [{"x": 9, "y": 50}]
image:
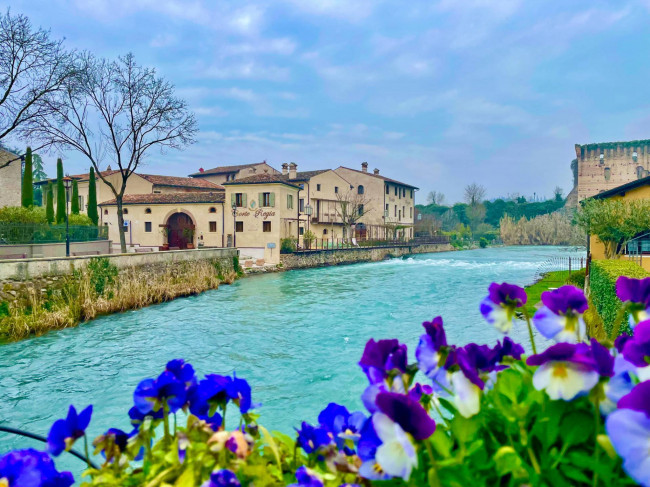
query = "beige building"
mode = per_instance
[
  {"x": 263, "y": 211},
  {"x": 223, "y": 174},
  {"x": 607, "y": 165},
  {"x": 10, "y": 179},
  {"x": 168, "y": 220}
]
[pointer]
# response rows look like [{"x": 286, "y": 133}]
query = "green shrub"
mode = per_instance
[
  {"x": 577, "y": 279},
  {"x": 235, "y": 265},
  {"x": 4, "y": 309},
  {"x": 80, "y": 220},
  {"x": 102, "y": 274},
  {"x": 19, "y": 214},
  {"x": 602, "y": 283},
  {"x": 287, "y": 245},
  {"x": 483, "y": 242}
]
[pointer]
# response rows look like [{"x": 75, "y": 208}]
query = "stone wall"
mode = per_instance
[
  {"x": 322, "y": 258},
  {"x": 45, "y": 250}
]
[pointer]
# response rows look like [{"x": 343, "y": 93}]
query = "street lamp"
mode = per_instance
[
  {"x": 308, "y": 211},
  {"x": 234, "y": 225},
  {"x": 67, "y": 183}
]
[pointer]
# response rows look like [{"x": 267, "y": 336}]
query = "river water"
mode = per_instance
[{"x": 295, "y": 336}]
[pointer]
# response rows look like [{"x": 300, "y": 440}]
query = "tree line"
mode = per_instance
[{"x": 112, "y": 111}]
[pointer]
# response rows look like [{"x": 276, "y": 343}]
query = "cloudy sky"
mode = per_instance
[{"x": 435, "y": 93}]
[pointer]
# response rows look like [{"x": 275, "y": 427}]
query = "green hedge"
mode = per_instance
[{"x": 602, "y": 282}]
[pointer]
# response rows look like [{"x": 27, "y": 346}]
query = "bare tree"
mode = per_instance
[
  {"x": 558, "y": 192},
  {"x": 474, "y": 194},
  {"x": 351, "y": 207},
  {"x": 435, "y": 198},
  {"x": 33, "y": 68},
  {"x": 116, "y": 111}
]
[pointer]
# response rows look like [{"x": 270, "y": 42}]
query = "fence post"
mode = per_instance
[{"x": 569, "y": 266}]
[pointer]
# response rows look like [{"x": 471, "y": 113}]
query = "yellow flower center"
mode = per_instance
[{"x": 560, "y": 371}]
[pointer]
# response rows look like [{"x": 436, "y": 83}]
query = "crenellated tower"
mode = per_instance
[{"x": 606, "y": 165}]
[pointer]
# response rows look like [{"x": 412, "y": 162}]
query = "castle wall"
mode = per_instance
[{"x": 605, "y": 166}]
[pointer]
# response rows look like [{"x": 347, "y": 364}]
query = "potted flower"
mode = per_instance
[
  {"x": 164, "y": 231},
  {"x": 188, "y": 233}
]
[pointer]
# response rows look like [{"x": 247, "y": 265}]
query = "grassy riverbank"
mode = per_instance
[
  {"x": 551, "y": 280},
  {"x": 101, "y": 289}
]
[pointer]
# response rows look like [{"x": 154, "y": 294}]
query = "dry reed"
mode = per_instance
[
  {"x": 551, "y": 229},
  {"x": 77, "y": 300}
]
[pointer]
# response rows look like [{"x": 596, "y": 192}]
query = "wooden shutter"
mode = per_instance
[
  {"x": 272, "y": 200},
  {"x": 232, "y": 199},
  {"x": 260, "y": 200},
  {"x": 244, "y": 200}
]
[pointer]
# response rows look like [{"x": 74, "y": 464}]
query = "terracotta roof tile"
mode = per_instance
[
  {"x": 224, "y": 169},
  {"x": 168, "y": 198},
  {"x": 263, "y": 179},
  {"x": 180, "y": 182},
  {"x": 394, "y": 181}
]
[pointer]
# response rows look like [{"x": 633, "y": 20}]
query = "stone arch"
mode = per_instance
[{"x": 181, "y": 228}]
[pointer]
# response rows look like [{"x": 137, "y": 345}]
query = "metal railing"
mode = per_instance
[
  {"x": 34, "y": 233},
  {"x": 568, "y": 265},
  {"x": 348, "y": 243}
]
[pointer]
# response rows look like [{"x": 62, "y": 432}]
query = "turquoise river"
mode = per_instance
[{"x": 295, "y": 336}]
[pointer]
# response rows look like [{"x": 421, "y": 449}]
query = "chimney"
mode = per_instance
[
  {"x": 200, "y": 169},
  {"x": 292, "y": 170},
  {"x": 285, "y": 168},
  {"x": 375, "y": 172},
  {"x": 364, "y": 166}
]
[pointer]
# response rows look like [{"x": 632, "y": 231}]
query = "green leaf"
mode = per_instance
[
  {"x": 442, "y": 444},
  {"x": 186, "y": 479},
  {"x": 577, "y": 428},
  {"x": 507, "y": 460},
  {"x": 464, "y": 429},
  {"x": 271, "y": 442}
]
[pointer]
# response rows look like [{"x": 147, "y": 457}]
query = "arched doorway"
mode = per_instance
[{"x": 181, "y": 230}]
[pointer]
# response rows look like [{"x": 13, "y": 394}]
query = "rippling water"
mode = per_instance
[{"x": 295, "y": 336}]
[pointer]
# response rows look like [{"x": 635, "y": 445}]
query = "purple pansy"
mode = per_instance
[
  {"x": 629, "y": 431},
  {"x": 561, "y": 316},
  {"x": 313, "y": 439},
  {"x": 307, "y": 478},
  {"x": 498, "y": 307},
  {"x": 428, "y": 352},
  {"x": 637, "y": 348},
  {"x": 64, "y": 432},
  {"x": 635, "y": 294},
  {"x": 566, "y": 370},
  {"x": 341, "y": 423},
  {"x": 419, "y": 390},
  {"x": 31, "y": 468},
  {"x": 222, "y": 478},
  {"x": 408, "y": 413},
  {"x": 381, "y": 357}
]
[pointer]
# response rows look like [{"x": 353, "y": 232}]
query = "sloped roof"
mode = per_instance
[
  {"x": 180, "y": 182},
  {"x": 378, "y": 176},
  {"x": 306, "y": 175},
  {"x": 78, "y": 177},
  {"x": 263, "y": 179},
  {"x": 168, "y": 198},
  {"x": 623, "y": 188},
  {"x": 224, "y": 169}
]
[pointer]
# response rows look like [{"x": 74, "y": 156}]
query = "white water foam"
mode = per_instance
[{"x": 466, "y": 264}]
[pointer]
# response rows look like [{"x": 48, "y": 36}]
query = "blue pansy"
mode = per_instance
[
  {"x": 211, "y": 391},
  {"x": 31, "y": 468},
  {"x": 307, "y": 478},
  {"x": 150, "y": 394},
  {"x": 183, "y": 371},
  {"x": 222, "y": 478},
  {"x": 312, "y": 439},
  {"x": 64, "y": 432},
  {"x": 341, "y": 423},
  {"x": 239, "y": 391}
]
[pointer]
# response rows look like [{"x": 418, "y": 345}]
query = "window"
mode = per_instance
[
  {"x": 325, "y": 231},
  {"x": 386, "y": 211},
  {"x": 213, "y": 227},
  {"x": 290, "y": 202},
  {"x": 395, "y": 210},
  {"x": 411, "y": 194},
  {"x": 81, "y": 201},
  {"x": 125, "y": 211},
  {"x": 147, "y": 211},
  {"x": 411, "y": 211},
  {"x": 608, "y": 173},
  {"x": 301, "y": 205},
  {"x": 387, "y": 190},
  {"x": 404, "y": 211},
  {"x": 360, "y": 189},
  {"x": 147, "y": 227},
  {"x": 336, "y": 189},
  {"x": 400, "y": 215},
  {"x": 213, "y": 209},
  {"x": 639, "y": 172},
  {"x": 105, "y": 212},
  {"x": 360, "y": 209},
  {"x": 635, "y": 156},
  {"x": 318, "y": 187},
  {"x": 156, "y": 192},
  {"x": 239, "y": 200},
  {"x": 266, "y": 226},
  {"x": 301, "y": 231},
  {"x": 239, "y": 226},
  {"x": 266, "y": 199}
]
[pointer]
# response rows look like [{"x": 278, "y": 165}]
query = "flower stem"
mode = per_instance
[
  {"x": 86, "y": 451},
  {"x": 530, "y": 332},
  {"x": 166, "y": 419}
]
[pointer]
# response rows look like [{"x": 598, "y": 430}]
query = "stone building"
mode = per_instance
[
  {"x": 10, "y": 179},
  {"x": 607, "y": 165}
]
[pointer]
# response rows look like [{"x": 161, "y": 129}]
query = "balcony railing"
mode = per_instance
[
  {"x": 33, "y": 233},
  {"x": 350, "y": 243}
]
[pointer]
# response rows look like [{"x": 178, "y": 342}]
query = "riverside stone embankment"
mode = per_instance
[{"x": 324, "y": 258}]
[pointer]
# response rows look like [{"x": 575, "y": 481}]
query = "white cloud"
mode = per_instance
[
  {"x": 350, "y": 10},
  {"x": 163, "y": 40}
]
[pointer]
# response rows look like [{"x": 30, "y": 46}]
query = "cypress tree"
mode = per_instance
[
  {"x": 74, "y": 203},
  {"x": 28, "y": 181},
  {"x": 60, "y": 193},
  {"x": 92, "y": 197},
  {"x": 49, "y": 206}
]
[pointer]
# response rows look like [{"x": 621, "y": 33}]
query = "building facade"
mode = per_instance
[
  {"x": 10, "y": 179},
  {"x": 607, "y": 165}
]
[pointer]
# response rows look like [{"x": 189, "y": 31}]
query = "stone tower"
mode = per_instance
[{"x": 606, "y": 165}]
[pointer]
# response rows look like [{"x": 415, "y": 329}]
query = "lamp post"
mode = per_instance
[
  {"x": 67, "y": 182},
  {"x": 308, "y": 211},
  {"x": 234, "y": 225}
]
